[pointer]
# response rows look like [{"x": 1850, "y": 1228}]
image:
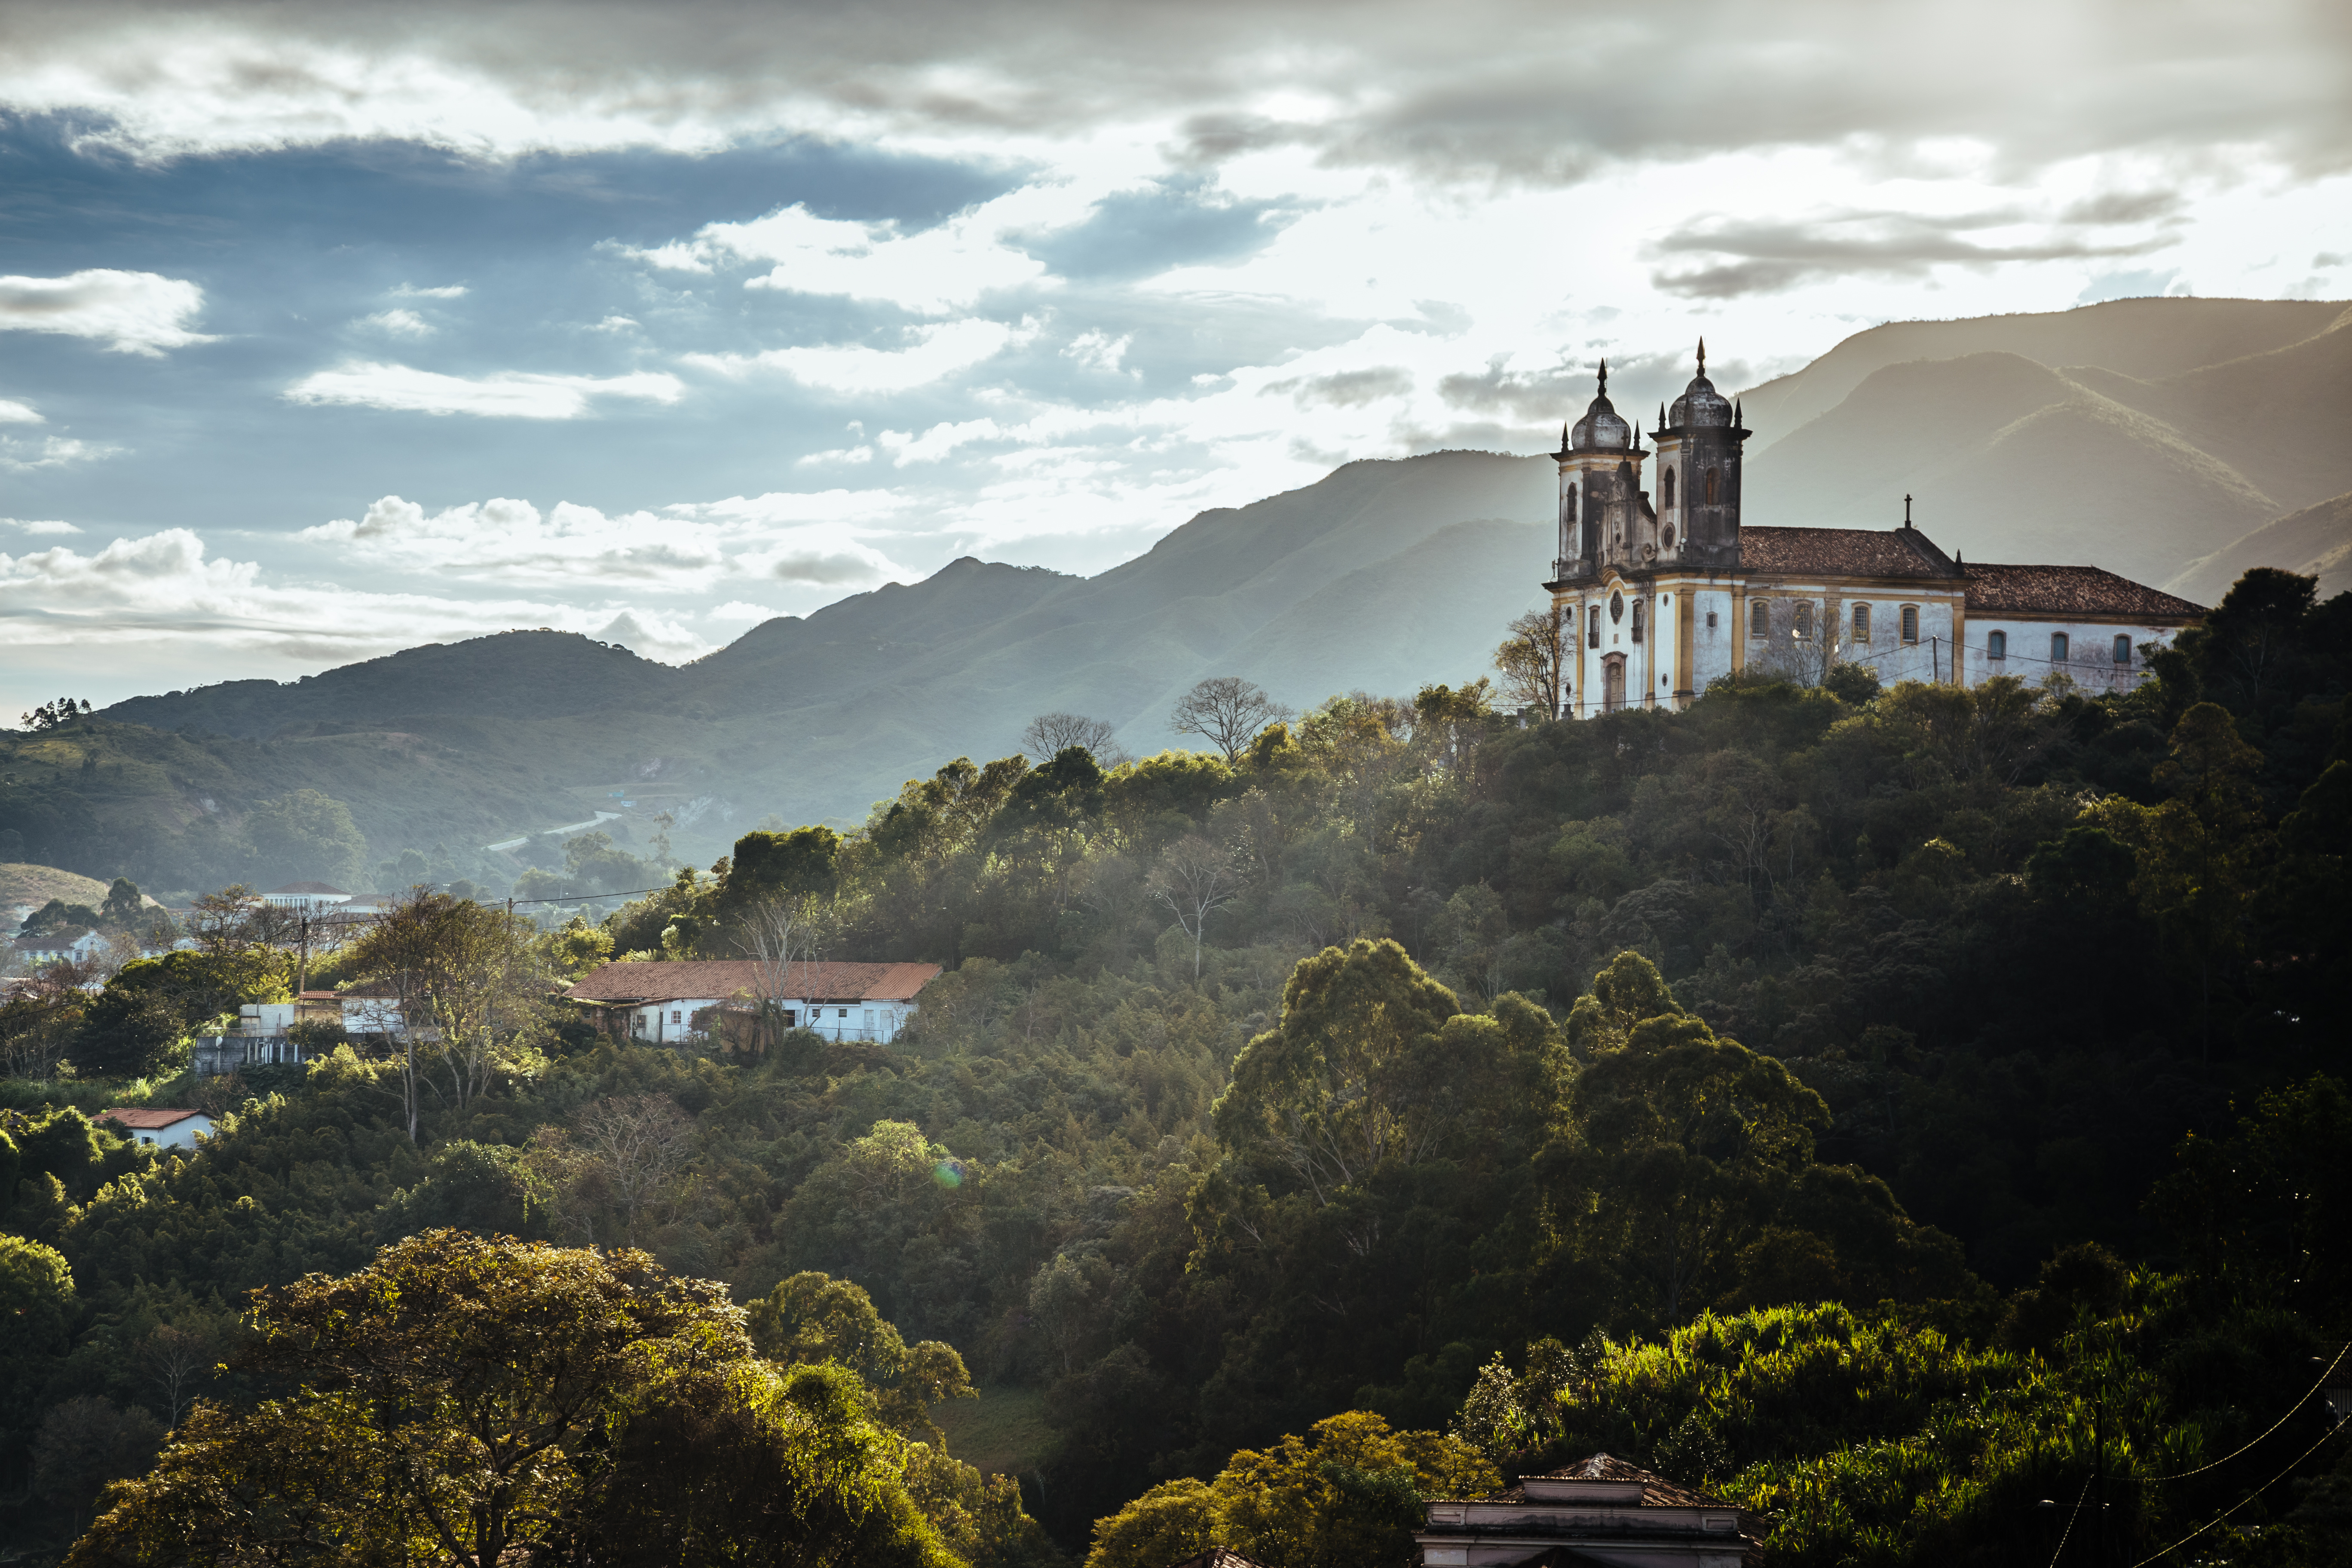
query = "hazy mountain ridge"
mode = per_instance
[
  {"x": 2162, "y": 438},
  {"x": 2014, "y": 450}
]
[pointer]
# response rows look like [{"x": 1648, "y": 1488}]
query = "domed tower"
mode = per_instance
[
  {"x": 1600, "y": 459},
  {"x": 1699, "y": 442}
]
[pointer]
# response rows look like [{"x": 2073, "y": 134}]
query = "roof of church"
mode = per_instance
[
  {"x": 1843, "y": 552},
  {"x": 1657, "y": 1490},
  {"x": 1995, "y": 590}
]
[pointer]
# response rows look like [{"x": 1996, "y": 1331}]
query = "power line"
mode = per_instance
[
  {"x": 2069, "y": 1533},
  {"x": 2152, "y": 1480},
  {"x": 2241, "y": 1502}
]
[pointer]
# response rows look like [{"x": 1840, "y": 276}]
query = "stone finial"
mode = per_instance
[
  {"x": 1604, "y": 378},
  {"x": 1702, "y": 355}
]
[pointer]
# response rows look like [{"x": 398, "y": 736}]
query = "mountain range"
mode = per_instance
[{"x": 2177, "y": 441}]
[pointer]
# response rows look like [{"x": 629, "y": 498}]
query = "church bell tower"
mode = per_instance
[{"x": 1699, "y": 441}]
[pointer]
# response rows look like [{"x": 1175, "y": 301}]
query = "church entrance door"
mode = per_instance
[{"x": 1613, "y": 683}]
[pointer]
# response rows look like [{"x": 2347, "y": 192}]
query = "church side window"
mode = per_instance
[
  {"x": 2057, "y": 648},
  {"x": 1997, "y": 645},
  {"x": 1669, "y": 487},
  {"x": 1710, "y": 487},
  {"x": 1569, "y": 501},
  {"x": 1759, "y": 620},
  {"x": 1637, "y": 622},
  {"x": 1593, "y": 627},
  {"x": 2123, "y": 649},
  {"x": 1804, "y": 620},
  {"x": 1910, "y": 623},
  {"x": 1862, "y": 623}
]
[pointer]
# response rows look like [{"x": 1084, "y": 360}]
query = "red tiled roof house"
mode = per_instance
[{"x": 660, "y": 1001}]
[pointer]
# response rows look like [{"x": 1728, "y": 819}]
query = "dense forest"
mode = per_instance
[{"x": 1893, "y": 1110}]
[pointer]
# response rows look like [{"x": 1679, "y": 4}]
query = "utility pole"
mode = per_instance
[{"x": 2099, "y": 1483}]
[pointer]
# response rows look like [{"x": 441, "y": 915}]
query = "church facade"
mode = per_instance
[{"x": 1665, "y": 595}]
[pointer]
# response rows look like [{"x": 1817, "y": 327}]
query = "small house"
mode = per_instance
[
  {"x": 306, "y": 897},
  {"x": 166, "y": 1129},
  {"x": 657, "y": 1000}
]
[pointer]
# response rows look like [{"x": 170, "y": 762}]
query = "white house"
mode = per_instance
[
  {"x": 657, "y": 1000},
  {"x": 77, "y": 943},
  {"x": 374, "y": 1009},
  {"x": 166, "y": 1129},
  {"x": 310, "y": 898},
  {"x": 1600, "y": 1511},
  {"x": 1665, "y": 595}
]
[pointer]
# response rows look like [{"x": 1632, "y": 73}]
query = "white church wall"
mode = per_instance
[{"x": 2090, "y": 662}]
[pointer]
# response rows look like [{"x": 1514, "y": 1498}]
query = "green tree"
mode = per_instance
[
  {"x": 813, "y": 1318},
  {"x": 1349, "y": 1495},
  {"x": 2196, "y": 852},
  {"x": 36, "y": 1308},
  {"x": 478, "y": 1403},
  {"x": 306, "y": 836},
  {"x": 1353, "y": 1076}
]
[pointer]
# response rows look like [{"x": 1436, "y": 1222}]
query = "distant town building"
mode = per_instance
[
  {"x": 310, "y": 898},
  {"x": 165, "y": 1129},
  {"x": 1600, "y": 1512},
  {"x": 1665, "y": 597},
  {"x": 657, "y": 1001},
  {"x": 79, "y": 943}
]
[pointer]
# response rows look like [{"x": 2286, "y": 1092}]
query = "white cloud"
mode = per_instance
[
  {"x": 616, "y": 324},
  {"x": 19, "y": 456},
  {"x": 740, "y": 610},
  {"x": 653, "y": 636},
  {"x": 29, "y": 525},
  {"x": 839, "y": 565},
  {"x": 508, "y": 395},
  {"x": 399, "y": 324},
  {"x": 938, "y": 352},
  {"x": 164, "y": 589},
  {"x": 1098, "y": 350},
  {"x": 929, "y": 272},
  {"x": 446, "y": 291},
  {"x": 136, "y": 312},
  {"x": 936, "y": 442},
  {"x": 15, "y": 413},
  {"x": 837, "y": 455}
]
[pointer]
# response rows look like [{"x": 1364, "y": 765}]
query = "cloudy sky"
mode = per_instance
[{"x": 330, "y": 329}]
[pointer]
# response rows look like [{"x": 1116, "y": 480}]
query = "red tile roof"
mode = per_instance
[
  {"x": 142, "y": 1118},
  {"x": 1995, "y": 590},
  {"x": 665, "y": 982},
  {"x": 1843, "y": 552}
]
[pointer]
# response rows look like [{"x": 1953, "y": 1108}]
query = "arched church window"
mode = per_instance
[
  {"x": 1668, "y": 486},
  {"x": 1862, "y": 623},
  {"x": 1710, "y": 487},
  {"x": 1804, "y": 620},
  {"x": 2057, "y": 648},
  {"x": 1997, "y": 645},
  {"x": 1759, "y": 620},
  {"x": 1593, "y": 627},
  {"x": 2123, "y": 649},
  {"x": 1637, "y": 623},
  {"x": 1910, "y": 623},
  {"x": 1568, "y": 503}
]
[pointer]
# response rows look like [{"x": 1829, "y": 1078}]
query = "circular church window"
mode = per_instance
[{"x": 1616, "y": 606}]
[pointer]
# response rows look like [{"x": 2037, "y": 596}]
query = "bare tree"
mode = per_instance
[
  {"x": 632, "y": 1150},
  {"x": 1050, "y": 734},
  {"x": 178, "y": 1361},
  {"x": 1195, "y": 878},
  {"x": 1226, "y": 712},
  {"x": 780, "y": 931},
  {"x": 1535, "y": 659}
]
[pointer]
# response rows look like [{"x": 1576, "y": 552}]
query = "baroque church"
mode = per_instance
[{"x": 1667, "y": 595}]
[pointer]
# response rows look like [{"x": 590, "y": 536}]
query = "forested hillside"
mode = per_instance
[{"x": 1846, "y": 1100}]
